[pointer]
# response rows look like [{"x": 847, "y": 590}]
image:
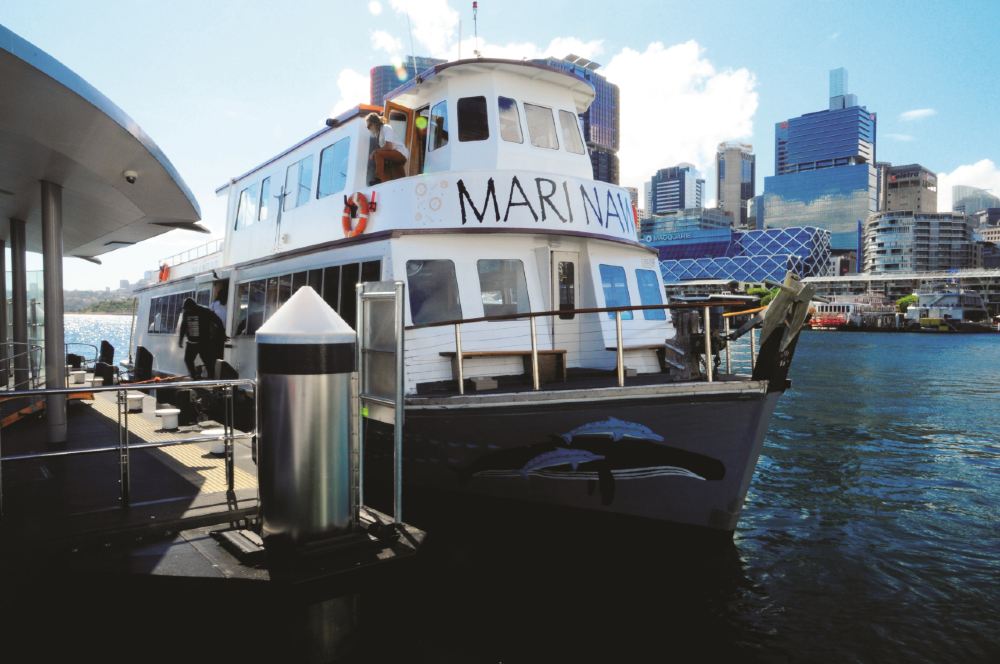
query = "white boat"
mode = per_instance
[
  {"x": 854, "y": 312},
  {"x": 949, "y": 310},
  {"x": 498, "y": 214}
]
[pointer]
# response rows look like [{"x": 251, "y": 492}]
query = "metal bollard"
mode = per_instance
[{"x": 306, "y": 354}]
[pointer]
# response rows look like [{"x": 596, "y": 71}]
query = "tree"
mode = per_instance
[{"x": 905, "y": 301}]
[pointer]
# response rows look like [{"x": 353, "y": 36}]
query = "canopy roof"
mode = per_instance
[{"x": 55, "y": 126}]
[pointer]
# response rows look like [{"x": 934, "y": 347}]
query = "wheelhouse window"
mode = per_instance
[
  {"x": 433, "y": 291},
  {"x": 615, "y": 289},
  {"x": 571, "y": 132},
  {"x": 246, "y": 211},
  {"x": 503, "y": 287},
  {"x": 510, "y": 120},
  {"x": 438, "y": 130},
  {"x": 298, "y": 183},
  {"x": 567, "y": 289},
  {"x": 472, "y": 122},
  {"x": 541, "y": 126},
  {"x": 165, "y": 311},
  {"x": 650, "y": 293},
  {"x": 333, "y": 168},
  {"x": 265, "y": 199}
]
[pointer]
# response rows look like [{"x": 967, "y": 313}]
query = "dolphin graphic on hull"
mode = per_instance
[{"x": 614, "y": 429}]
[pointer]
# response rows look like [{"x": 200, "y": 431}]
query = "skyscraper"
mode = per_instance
[
  {"x": 825, "y": 169},
  {"x": 970, "y": 200},
  {"x": 386, "y": 78},
  {"x": 675, "y": 188},
  {"x": 911, "y": 187},
  {"x": 735, "y": 167}
]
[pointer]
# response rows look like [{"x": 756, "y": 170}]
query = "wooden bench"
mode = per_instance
[
  {"x": 661, "y": 353},
  {"x": 551, "y": 363}
]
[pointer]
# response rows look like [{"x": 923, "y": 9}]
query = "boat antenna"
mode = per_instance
[
  {"x": 475, "y": 26},
  {"x": 413, "y": 59},
  {"x": 459, "y": 38}
]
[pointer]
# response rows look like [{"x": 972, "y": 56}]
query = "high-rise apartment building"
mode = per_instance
[
  {"x": 907, "y": 241},
  {"x": 970, "y": 200},
  {"x": 911, "y": 187},
  {"x": 735, "y": 167},
  {"x": 386, "y": 78},
  {"x": 825, "y": 169},
  {"x": 675, "y": 188}
]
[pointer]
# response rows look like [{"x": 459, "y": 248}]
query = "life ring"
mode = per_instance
[
  {"x": 164, "y": 272},
  {"x": 356, "y": 203}
]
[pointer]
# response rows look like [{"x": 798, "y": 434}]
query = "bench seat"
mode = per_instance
[{"x": 552, "y": 369}]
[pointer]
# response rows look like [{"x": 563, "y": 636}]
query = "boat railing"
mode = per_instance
[
  {"x": 89, "y": 360},
  {"x": 588, "y": 340},
  {"x": 202, "y": 250},
  {"x": 20, "y": 365},
  {"x": 124, "y": 446}
]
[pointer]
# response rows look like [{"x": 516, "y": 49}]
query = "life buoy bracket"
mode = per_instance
[{"x": 355, "y": 206}]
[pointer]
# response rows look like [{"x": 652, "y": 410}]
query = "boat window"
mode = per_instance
[
  {"x": 258, "y": 291},
  {"x": 284, "y": 289},
  {"x": 615, "y": 289},
  {"x": 433, "y": 291},
  {"x": 348, "y": 293},
  {"x": 298, "y": 183},
  {"x": 510, "y": 120},
  {"x": 246, "y": 212},
  {"x": 571, "y": 132},
  {"x": 371, "y": 271},
  {"x": 541, "y": 126},
  {"x": 331, "y": 286},
  {"x": 419, "y": 146},
  {"x": 315, "y": 281},
  {"x": 272, "y": 297},
  {"x": 298, "y": 281},
  {"x": 437, "y": 136},
  {"x": 242, "y": 309},
  {"x": 265, "y": 199},
  {"x": 202, "y": 297},
  {"x": 165, "y": 311},
  {"x": 472, "y": 123},
  {"x": 567, "y": 289},
  {"x": 650, "y": 293},
  {"x": 333, "y": 168},
  {"x": 503, "y": 287}
]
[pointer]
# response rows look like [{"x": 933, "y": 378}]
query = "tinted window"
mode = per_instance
[
  {"x": 503, "y": 288},
  {"x": 265, "y": 200},
  {"x": 246, "y": 213},
  {"x": 298, "y": 183},
  {"x": 331, "y": 286},
  {"x": 571, "y": 132},
  {"x": 438, "y": 130},
  {"x": 472, "y": 123},
  {"x": 510, "y": 120},
  {"x": 615, "y": 289},
  {"x": 433, "y": 291},
  {"x": 242, "y": 308},
  {"x": 567, "y": 289},
  {"x": 371, "y": 271},
  {"x": 649, "y": 293},
  {"x": 257, "y": 301},
  {"x": 541, "y": 126},
  {"x": 298, "y": 281},
  {"x": 333, "y": 168},
  {"x": 348, "y": 293}
]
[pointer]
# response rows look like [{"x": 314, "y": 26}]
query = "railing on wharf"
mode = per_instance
[
  {"x": 740, "y": 358},
  {"x": 124, "y": 446}
]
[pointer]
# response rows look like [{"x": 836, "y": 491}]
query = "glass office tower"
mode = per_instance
[{"x": 386, "y": 78}]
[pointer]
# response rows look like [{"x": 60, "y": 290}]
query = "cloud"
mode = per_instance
[
  {"x": 433, "y": 22},
  {"x": 386, "y": 42},
  {"x": 983, "y": 174},
  {"x": 917, "y": 114},
  {"x": 906, "y": 138},
  {"x": 375, "y": 7},
  {"x": 354, "y": 88},
  {"x": 558, "y": 47},
  {"x": 696, "y": 108}
]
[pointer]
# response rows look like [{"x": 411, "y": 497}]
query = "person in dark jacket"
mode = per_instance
[{"x": 205, "y": 335}]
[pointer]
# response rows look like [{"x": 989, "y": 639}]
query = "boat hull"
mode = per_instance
[{"x": 680, "y": 454}]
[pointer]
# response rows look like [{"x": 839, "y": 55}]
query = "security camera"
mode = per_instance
[{"x": 130, "y": 176}]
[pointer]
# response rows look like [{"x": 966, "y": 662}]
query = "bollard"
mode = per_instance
[{"x": 305, "y": 358}]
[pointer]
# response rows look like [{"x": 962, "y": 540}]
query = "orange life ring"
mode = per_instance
[
  {"x": 164, "y": 272},
  {"x": 358, "y": 202}
]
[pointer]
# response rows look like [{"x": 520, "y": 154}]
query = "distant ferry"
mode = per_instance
[
  {"x": 854, "y": 312},
  {"x": 497, "y": 214},
  {"x": 949, "y": 311}
]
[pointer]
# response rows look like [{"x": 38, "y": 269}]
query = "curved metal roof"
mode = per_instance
[{"x": 55, "y": 126}]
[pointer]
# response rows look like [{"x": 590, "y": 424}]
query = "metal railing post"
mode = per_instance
[
  {"x": 619, "y": 350},
  {"x": 707, "y": 324},
  {"x": 458, "y": 358},
  {"x": 535, "y": 381},
  {"x": 227, "y": 428},
  {"x": 359, "y": 430},
  {"x": 400, "y": 406},
  {"x": 729, "y": 357},
  {"x": 123, "y": 451},
  {"x": 753, "y": 348}
]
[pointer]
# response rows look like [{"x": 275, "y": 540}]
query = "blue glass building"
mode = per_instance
[
  {"x": 675, "y": 188},
  {"x": 386, "y": 78},
  {"x": 825, "y": 173}
]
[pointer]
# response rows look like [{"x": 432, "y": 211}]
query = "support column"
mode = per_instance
[
  {"x": 19, "y": 302},
  {"x": 4, "y": 366},
  {"x": 55, "y": 347}
]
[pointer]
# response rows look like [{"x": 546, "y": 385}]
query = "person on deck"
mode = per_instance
[
  {"x": 218, "y": 304},
  {"x": 390, "y": 154},
  {"x": 205, "y": 337}
]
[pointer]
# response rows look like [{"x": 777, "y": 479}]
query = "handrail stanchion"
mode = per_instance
[
  {"x": 619, "y": 350},
  {"x": 708, "y": 342},
  {"x": 458, "y": 358},
  {"x": 228, "y": 433},
  {"x": 753, "y": 348},
  {"x": 400, "y": 411},
  {"x": 729, "y": 358},
  {"x": 123, "y": 452},
  {"x": 535, "y": 382}
]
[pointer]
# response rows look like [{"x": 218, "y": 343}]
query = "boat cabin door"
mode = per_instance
[
  {"x": 400, "y": 118},
  {"x": 565, "y": 271}
]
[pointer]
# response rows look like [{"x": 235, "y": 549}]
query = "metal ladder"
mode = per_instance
[{"x": 380, "y": 352}]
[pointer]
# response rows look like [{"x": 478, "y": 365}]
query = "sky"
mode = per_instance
[{"x": 223, "y": 85}]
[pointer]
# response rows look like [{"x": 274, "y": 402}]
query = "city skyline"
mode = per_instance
[{"x": 197, "y": 80}]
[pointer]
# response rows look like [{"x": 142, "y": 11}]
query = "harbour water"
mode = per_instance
[{"x": 871, "y": 534}]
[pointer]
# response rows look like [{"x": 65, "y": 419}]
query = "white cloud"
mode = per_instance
[
  {"x": 558, "y": 47},
  {"x": 983, "y": 174},
  {"x": 433, "y": 22},
  {"x": 917, "y": 114},
  {"x": 906, "y": 138},
  {"x": 354, "y": 88},
  {"x": 689, "y": 110},
  {"x": 375, "y": 7},
  {"x": 386, "y": 42}
]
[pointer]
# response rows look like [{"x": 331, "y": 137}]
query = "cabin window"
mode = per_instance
[
  {"x": 298, "y": 281},
  {"x": 265, "y": 200},
  {"x": 242, "y": 312},
  {"x": 510, "y": 120},
  {"x": 472, "y": 123},
  {"x": 650, "y": 293},
  {"x": 202, "y": 297},
  {"x": 503, "y": 287},
  {"x": 541, "y": 126},
  {"x": 567, "y": 289},
  {"x": 258, "y": 291},
  {"x": 246, "y": 212},
  {"x": 298, "y": 183},
  {"x": 437, "y": 136},
  {"x": 165, "y": 312},
  {"x": 331, "y": 286},
  {"x": 348, "y": 293},
  {"x": 333, "y": 168},
  {"x": 571, "y": 132},
  {"x": 284, "y": 289},
  {"x": 615, "y": 289},
  {"x": 433, "y": 291},
  {"x": 272, "y": 297}
]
